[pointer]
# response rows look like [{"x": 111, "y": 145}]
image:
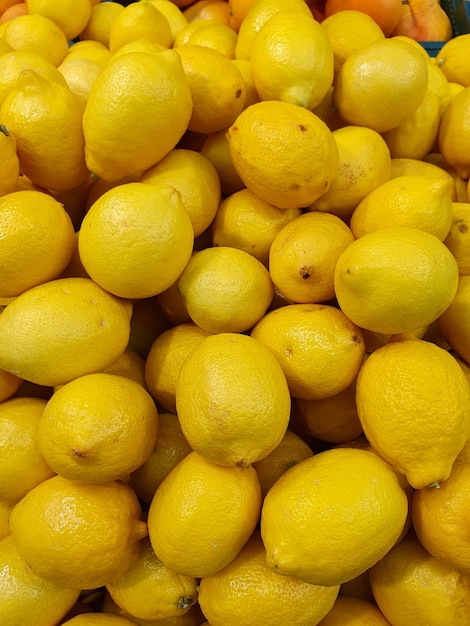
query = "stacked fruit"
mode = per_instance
[{"x": 235, "y": 336}]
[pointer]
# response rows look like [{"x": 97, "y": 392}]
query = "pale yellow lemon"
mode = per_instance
[
  {"x": 70, "y": 15},
  {"x": 80, "y": 75},
  {"x": 453, "y": 136},
  {"x": 101, "y": 19},
  {"x": 453, "y": 322},
  {"x": 139, "y": 20},
  {"x": 458, "y": 238}
]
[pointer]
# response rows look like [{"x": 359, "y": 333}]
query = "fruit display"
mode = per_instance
[{"x": 234, "y": 313}]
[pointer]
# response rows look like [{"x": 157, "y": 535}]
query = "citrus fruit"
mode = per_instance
[
  {"x": 354, "y": 612},
  {"x": 99, "y": 24},
  {"x": 174, "y": 15},
  {"x": 232, "y": 399},
  {"x": 217, "y": 36},
  {"x": 458, "y": 238},
  {"x": 453, "y": 321},
  {"x": 130, "y": 364},
  {"x": 453, "y": 137},
  {"x": 216, "y": 149},
  {"x": 386, "y": 13},
  {"x": 450, "y": 59},
  {"x": 139, "y": 20},
  {"x": 9, "y": 384},
  {"x": 238, "y": 10},
  {"x": 70, "y": 15},
  {"x": 98, "y": 619},
  {"x": 202, "y": 514},
  {"x": 89, "y": 49},
  {"x": 80, "y": 75},
  {"x": 10, "y": 165}
]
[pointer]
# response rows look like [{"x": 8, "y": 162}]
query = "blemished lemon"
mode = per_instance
[
  {"x": 252, "y": 95},
  {"x": 62, "y": 329},
  {"x": 156, "y": 102},
  {"x": 349, "y": 611},
  {"x": 364, "y": 164},
  {"x": 9, "y": 163},
  {"x": 232, "y": 399},
  {"x": 298, "y": 70},
  {"x": 454, "y": 137},
  {"x": 9, "y": 384},
  {"x": 319, "y": 349},
  {"x": 410, "y": 585},
  {"x": 23, "y": 466},
  {"x": 284, "y": 153},
  {"x": 225, "y": 289},
  {"x": 99, "y": 24},
  {"x": 384, "y": 269},
  {"x": 27, "y": 597},
  {"x": 372, "y": 89},
  {"x": 136, "y": 239},
  {"x": 37, "y": 241},
  {"x": 98, "y": 428},
  {"x": 96, "y": 541},
  {"x": 421, "y": 379},
  {"x": 170, "y": 448},
  {"x": 36, "y": 108},
  {"x": 151, "y": 591},
  {"x": 216, "y": 149},
  {"x": 440, "y": 520},
  {"x": 217, "y": 88},
  {"x": 165, "y": 358},
  {"x": 458, "y": 238},
  {"x": 450, "y": 60},
  {"x": 195, "y": 178},
  {"x": 303, "y": 256},
  {"x": 415, "y": 201},
  {"x": 202, "y": 514},
  {"x": 80, "y": 75},
  {"x": 248, "y": 592},
  {"x": 349, "y": 511},
  {"x": 291, "y": 450},
  {"x": 70, "y": 15},
  {"x": 139, "y": 20},
  {"x": 219, "y": 37},
  {"x": 453, "y": 322}
]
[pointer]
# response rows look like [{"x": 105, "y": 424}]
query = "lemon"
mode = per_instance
[
  {"x": 150, "y": 591},
  {"x": 129, "y": 364},
  {"x": 404, "y": 166},
  {"x": 195, "y": 178},
  {"x": 9, "y": 384},
  {"x": 284, "y": 153},
  {"x": 349, "y": 511},
  {"x": 421, "y": 379},
  {"x": 155, "y": 102},
  {"x": 219, "y": 37},
  {"x": 136, "y": 239},
  {"x": 97, "y": 538},
  {"x": 27, "y": 597},
  {"x": 9, "y": 163},
  {"x": 450, "y": 59},
  {"x": 319, "y": 349},
  {"x": 36, "y": 108},
  {"x": 410, "y": 585},
  {"x": 62, "y": 329},
  {"x": 232, "y": 399},
  {"x": 175, "y": 16},
  {"x": 415, "y": 201},
  {"x": 458, "y": 238},
  {"x": 216, "y": 149},
  {"x": 291, "y": 60},
  {"x": 5, "y": 510},
  {"x": 248, "y": 592},
  {"x": 364, "y": 164},
  {"x": 354, "y": 611},
  {"x": 372, "y": 89},
  {"x": 182, "y": 37},
  {"x": 70, "y": 15},
  {"x": 252, "y": 95},
  {"x": 37, "y": 243},
  {"x": 202, "y": 514},
  {"x": 453, "y": 137},
  {"x": 395, "y": 279},
  {"x": 98, "y": 619},
  {"x": 139, "y": 20},
  {"x": 453, "y": 321},
  {"x": 92, "y": 50},
  {"x": 192, "y": 617},
  {"x": 439, "y": 85},
  {"x": 173, "y": 306},
  {"x": 303, "y": 256},
  {"x": 80, "y": 75},
  {"x": 217, "y": 88},
  {"x": 102, "y": 16},
  {"x": 460, "y": 185}
]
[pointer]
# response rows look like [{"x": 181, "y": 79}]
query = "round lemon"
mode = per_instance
[
  {"x": 70, "y": 15},
  {"x": 453, "y": 322},
  {"x": 217, "y": 36},
  {"x": 458, "y": 238}
]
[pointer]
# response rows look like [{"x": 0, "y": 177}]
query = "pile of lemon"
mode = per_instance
[{"x": 235, "y": 327}]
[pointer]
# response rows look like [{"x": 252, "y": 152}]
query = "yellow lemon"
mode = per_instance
[
  {"x": 150, "y": 591},
  {"x": 192, "y": 617},
  {"x": 451, "y": 59},
  {"x": 37, "y": 108},
  {"x": 98, "y": 619},
  {"x": 37, "y": 243},
  {"x": 320, "y": 350},
  {"x": 129, "y": 364},
  {"x": 421, "y": 379},
  {"x": 136, "y": 239},
  {"x": 245, "y": 221},
  {"x": 5, "y": 510},
  {"x": 9, "y": 163},
  {"x": 217, "y": 88},
  {"x": 238, "y": 10},
  {"x": 9, "y": 385},
  {"x": 415, "y": 201},
  {"x": 96, "y": 541},
  {"x": 139, "y": 19},
  {"x": 403, "y": 166},
  {"x": 409, "y": 586},
  {"x": 207, "y": 509},
  {"x": 80, "y": 75},
  {"x": 173, "y": 305},
  {"x": 454, "y": 136},
  {"x": 156, "y": 102},
  {"x": 183, "y": 35},
  {"x": 219, "y": 37},
  {"x": 70, "y": 15},
  {"x": 458, "y": 238},
  {"x": 98, "y": 428},
  {"x": 384, "y": 269},
  {"x": 349, "y": 511},
  {"x": 284, "y": 153},
  {"x": 303, "y": 256},
  {"x": 101, "y": 19},
  {"x": 348, "y": 31},
  {"x": 23, "y": 466},
  {"x": 216, "y": 149},
  {"x": 453, "y": 322},
  {"x": 364, "y": 164},
  {"x": 372, "y": 89},
  {"x": 147, "y": 322},
  {"x": 460, "y": 184},
  {"x": 348, "y": 611},
  {"x": 165, "y": 358},
  {"x": 170, "y": 448},
  {"x": 225, "y": 289},
  {"x": 291, "y": 60},
  {"x": 439, "y": 85},
  {"x": 27, "y": 597},
  {"x": 62, "y": 329},
  {"x": 88, "y": 49},
  {"x": 229, "y": 418},
  {"x": 252, "y": 95},
  {"x": 195, "y": 178},
  {"x": 174, "y": 15},
  {"x": 248, "y": 592}
]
